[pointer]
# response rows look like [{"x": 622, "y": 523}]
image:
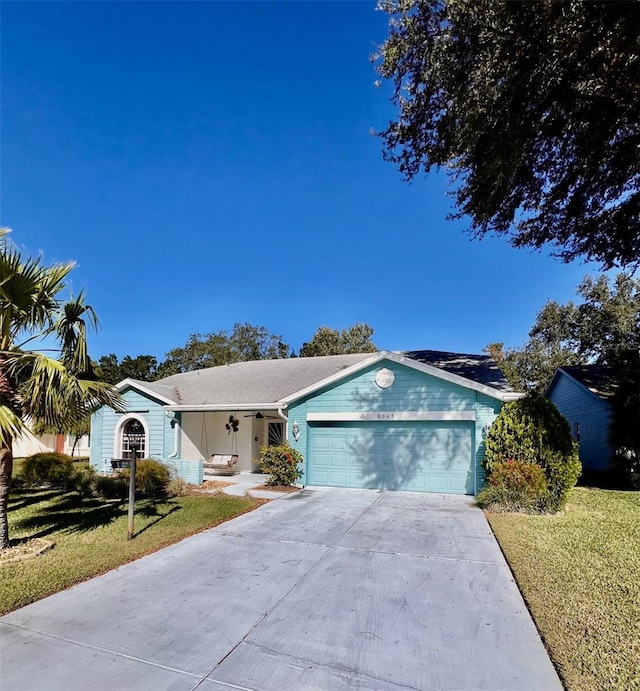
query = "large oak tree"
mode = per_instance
[
  {"x": 533, "y": 108},
  {"x": 602, "y": 327}
]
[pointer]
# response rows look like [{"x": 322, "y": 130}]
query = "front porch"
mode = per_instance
[{"x": 224, "y": 433}]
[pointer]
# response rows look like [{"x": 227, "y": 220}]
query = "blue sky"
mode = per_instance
[{"x": 207, "y": 163}]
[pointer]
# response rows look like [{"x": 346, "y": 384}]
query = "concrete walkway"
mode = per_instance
[
  {"x": 249, "y": 483},
  {"x": 323, "y": 589}
]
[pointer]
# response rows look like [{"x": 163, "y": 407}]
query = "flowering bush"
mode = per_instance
[
  {"x": 515, "y": 486},
  {"x": 282, "y": 464},
  {"x": 518, "y": 475}
]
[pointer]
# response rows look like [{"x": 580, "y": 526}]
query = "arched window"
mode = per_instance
[{"x": 127, "y": 427}]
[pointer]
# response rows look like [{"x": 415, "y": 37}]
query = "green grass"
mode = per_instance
[
  {"x": 90, "y": 536},
  {"x": 579, "y": 572}
]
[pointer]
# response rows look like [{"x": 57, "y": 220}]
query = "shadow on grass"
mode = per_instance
[
  {"x": 71, "y": 513},
  {"x": 150, "y": 510},
  {"x": 21, "y": 498},
  {"x": 606, "y": 479}
]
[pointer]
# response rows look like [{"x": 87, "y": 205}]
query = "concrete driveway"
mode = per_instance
[{"x": 324, "y": 589}]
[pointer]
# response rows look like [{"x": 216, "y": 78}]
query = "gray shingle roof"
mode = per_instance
[
  {"x": 265, "y": 382},
  {"x": 599, "y": 379},
  {"x": 257, "y": 381},
  {"x": 479, "y": 368}
]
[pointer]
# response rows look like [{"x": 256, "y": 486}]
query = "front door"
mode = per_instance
[{"x": 275, "y": 433}]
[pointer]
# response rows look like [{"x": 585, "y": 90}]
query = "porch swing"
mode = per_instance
[{"x": 221, "y": 463}]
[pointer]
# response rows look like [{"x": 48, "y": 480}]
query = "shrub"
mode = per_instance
[
  {"x": 48, "y": 468},
  {"x": 515, "y": 486},
  {"x": 83, "y": 480},
  {"x": 178, "y": 487},
  {"x": 111, "y": 486},
  {"x": 281, "y": 463},
  {"x": 532, "y": 430},
  {"x": 152, "y": 478}
]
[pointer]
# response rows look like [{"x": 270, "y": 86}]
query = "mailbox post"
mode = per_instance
[{"x": 135, "y": 434}]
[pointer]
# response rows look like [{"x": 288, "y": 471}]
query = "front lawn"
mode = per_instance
[
  {"x": 90, "y": 536},
  {"x": 579, "y": 572}
]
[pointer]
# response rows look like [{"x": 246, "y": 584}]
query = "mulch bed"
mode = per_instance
[
  {"x": 25, "y": 549},
  {"x": 209, "y": 487}
]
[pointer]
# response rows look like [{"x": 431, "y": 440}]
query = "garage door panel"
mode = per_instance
[{"x": 423, "y": 457}]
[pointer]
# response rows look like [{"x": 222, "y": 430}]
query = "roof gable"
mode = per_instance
[
  {"x": 598, "y": 380},
  {"x": 151, "y": 389},
  {"x": 456, "y": 362}
]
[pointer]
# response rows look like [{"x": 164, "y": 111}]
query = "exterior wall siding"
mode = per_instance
[
  {"x": 298, "y": 412},
  {"x": 487, "y": 410},
  {"x": 412, "y": 391},
  {"x": 160, "y": 437},
  {"x": 579, "y": 405}
]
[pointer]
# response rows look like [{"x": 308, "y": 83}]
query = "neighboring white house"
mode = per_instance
[{"x": 28, "y": 444}]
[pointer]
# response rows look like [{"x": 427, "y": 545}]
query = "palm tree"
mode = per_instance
[{"x": 34, "y": 386}]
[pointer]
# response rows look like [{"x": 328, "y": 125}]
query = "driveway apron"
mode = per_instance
[{"x": 323, "y": 589}]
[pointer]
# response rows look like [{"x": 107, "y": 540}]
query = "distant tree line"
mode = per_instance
[{"x": 242, "y": 343}]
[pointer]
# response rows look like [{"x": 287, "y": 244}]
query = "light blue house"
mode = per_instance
[
  {"x": 582, "y": 394},
  {"x": 408, "y": 421}
]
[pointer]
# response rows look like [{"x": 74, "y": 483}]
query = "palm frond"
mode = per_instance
[
  {"x": 28, "y": 292},
  {"x": 95, "y": 394},
  {"x": 11, "y": 426},
  {"x": 71, "y": 330},
  {"x": 52, "y": 394}
]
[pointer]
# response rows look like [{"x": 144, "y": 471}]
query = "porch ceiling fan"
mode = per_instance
[{"x": 260, "y": 416}]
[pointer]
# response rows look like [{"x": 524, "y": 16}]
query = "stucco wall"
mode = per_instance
[{"x": 204, "y": 434}]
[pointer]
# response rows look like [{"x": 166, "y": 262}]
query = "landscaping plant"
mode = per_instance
[
  {"x": 47, "y": 469},
  {"x": 38, "y": 388},
  {"x": 516, "y": 486},
  {"x": 282, "y": 464},
  {"x": 152, "y": 478},
  {"x": 532, "y": 430},
  {"x": 110, "y": 487}
]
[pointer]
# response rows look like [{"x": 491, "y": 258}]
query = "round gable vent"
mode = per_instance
[{"x": 384, "y": 378}]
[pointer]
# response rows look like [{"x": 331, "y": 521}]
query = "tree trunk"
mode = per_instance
[{"x": 6, "y": 467}]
